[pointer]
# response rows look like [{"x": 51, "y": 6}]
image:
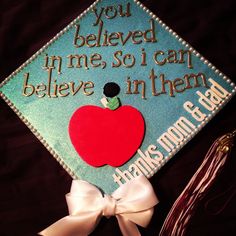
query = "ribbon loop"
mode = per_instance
[{"x": 109, "y": 208}]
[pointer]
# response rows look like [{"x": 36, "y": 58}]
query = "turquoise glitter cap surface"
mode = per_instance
[{"x": 158, "y": 73}]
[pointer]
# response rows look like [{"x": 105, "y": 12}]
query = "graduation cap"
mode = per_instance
[{"x": 159, "y": 93}]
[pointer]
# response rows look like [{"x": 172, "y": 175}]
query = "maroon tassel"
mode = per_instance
[{"x": 184, "y": 207}]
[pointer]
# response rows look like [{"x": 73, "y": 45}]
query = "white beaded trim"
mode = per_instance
[
  {"x": 190, "y": 136},
  {"x": 12, "y": 106},
  {"x": 49, "y": 43},
  {"x": 184, "y": 43},
  {"x": 205, "y": 61}
]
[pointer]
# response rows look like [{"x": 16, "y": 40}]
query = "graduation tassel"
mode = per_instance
[{"x": 184, "y": 207}]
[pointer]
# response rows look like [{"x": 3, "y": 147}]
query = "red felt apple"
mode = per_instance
[{"x": 103, "y": 136}]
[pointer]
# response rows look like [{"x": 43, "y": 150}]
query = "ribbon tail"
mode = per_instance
[
  {"x": 127, "y": 227},
  {"x": 79, "y": 225},
  {"x": 141, "y": 218}
]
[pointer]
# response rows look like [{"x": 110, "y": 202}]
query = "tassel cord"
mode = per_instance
[{"x": 185, "y": 206}]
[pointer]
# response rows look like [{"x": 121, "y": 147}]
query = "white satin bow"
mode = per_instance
[{"x": 132, "y": 204}]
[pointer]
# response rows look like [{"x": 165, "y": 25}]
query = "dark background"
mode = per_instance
[{"x": 33, "y": 184}]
